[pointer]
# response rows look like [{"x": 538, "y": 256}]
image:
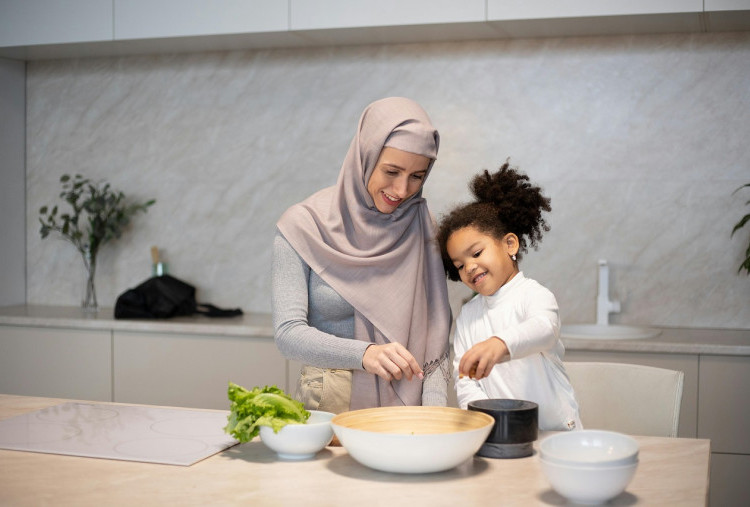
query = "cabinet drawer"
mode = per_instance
[
  {"x": 723, "y": 409},
  {"x": 56, "y": 363},
  {"x": 31, "y": 22},
  {"x": 729, "y": 484},
  {"x": 191, "y": 370}
]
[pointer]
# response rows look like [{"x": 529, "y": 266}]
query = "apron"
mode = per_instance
[{"x": 325, "y": 389}]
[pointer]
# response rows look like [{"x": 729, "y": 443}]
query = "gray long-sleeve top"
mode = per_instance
[{"x": 315, "y": 325}]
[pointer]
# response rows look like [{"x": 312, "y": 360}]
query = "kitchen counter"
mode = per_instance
[
  {"x": 670, "y": 341},
  {"x": 674, "y": 340},
  {"x": 672, "y": 471},
  {"x": 249, "y": 324}
]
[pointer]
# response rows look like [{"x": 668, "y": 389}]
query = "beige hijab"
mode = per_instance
[{"x": 387, "y": 266}]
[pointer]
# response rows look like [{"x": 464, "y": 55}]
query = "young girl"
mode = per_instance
[{"x": 506, "y": 339}]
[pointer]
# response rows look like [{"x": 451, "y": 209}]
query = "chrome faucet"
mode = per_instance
[{"x": 604, "y": 306}]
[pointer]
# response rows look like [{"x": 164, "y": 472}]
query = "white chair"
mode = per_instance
[{"x": 628, "y": 398}]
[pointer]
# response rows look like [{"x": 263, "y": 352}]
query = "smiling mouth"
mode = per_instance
[
  {"x": 393, "y": 201},
  {"x": 478, "y": 278}
]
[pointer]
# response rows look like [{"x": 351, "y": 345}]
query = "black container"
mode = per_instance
[{"x": 515, "y": 430}]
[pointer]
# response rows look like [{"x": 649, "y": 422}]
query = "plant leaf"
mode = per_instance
[{"x": 740, "y": 224}]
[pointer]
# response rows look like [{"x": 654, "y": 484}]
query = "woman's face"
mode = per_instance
[
  {"x": 397, "y": 176},
  {"x": 483, "y": 262}
]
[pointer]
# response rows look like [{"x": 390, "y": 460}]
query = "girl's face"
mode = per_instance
[
  {"x": 397, "y": 176},
  {"x": 483, "y": 261}
]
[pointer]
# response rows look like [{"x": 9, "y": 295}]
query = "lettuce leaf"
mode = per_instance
[{"x": 267, "y": 406}]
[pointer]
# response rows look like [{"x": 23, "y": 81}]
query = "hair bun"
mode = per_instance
[
  {"x": 516, "y": 202},
  {"x": 505, "y": 202},
  {"x": 494, "y": 188}
]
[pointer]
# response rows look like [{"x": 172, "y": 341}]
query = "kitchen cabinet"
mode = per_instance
[
  {"x": 145, "y": 19},
  {"x": 729, "y": 485},
  {"x": 727, "y": 15},
  {"x": 191, "y": 370},
  {"x": 185, "y": 361},
  {"x": 13, "y": 189},
  {"x": 39, "y": 29},
  {"x": 323, "y": 14},
  {"x": 724, "y": 417},
  {"x": 342, "y": 22},
  {"x": 686, "y": 363},
  {"x": 723, "y": 409},
  {"x": 33, "y": 22},
  {"x": 549, "y": 18},
  {"x": 61, "y": 362},
  {"x": 726, "y": 5},
  {"x": 540, "y": 9}
]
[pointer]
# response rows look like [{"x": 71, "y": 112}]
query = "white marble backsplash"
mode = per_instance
[{"x": 639, "y": 141}]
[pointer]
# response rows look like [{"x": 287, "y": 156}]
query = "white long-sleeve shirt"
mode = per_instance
[{"x": 524, "y": 314}]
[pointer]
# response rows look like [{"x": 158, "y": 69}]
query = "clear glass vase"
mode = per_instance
[{"x": 88, "y": 302}]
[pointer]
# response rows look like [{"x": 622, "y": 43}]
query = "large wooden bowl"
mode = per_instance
[{"x": 412, "y": 439}]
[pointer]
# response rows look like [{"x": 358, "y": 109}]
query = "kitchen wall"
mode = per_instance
[{"x": 639, "y": 141}]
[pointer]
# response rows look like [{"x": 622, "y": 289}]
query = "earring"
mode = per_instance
[{"x": 513, "y": 257}]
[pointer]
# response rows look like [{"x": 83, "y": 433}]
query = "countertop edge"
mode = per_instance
[
  {"x": 644, "y": 346},
  {"x": 695, "y": 341},
  {"x": 247, "y": 325}
]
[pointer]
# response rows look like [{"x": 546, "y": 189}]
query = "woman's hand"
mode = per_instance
[
  {"x": 391, "y": 361},
  {"x": 478, "y": 361}
]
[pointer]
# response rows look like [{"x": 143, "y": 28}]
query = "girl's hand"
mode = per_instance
[
  {"x": 391, "y": 361},
  {"x": 478, "y": 361}
]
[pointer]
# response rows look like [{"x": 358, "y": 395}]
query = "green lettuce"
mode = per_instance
[{"x": 269, "y": 406}]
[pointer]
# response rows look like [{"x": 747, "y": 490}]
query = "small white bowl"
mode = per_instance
[
  {"x": 589, "y": 485},
  {"x": 300, "y": 441},
  {"x": 589, "y": 448},
  {"x": 412, "y": 440}
]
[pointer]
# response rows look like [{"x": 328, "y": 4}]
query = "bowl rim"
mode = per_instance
[
  {"x": 592, "y": 463},
  {"x": 305, "y": 424},
  {"x": 590, "y": 467},
  {"x": 336, "y": 421},
  {"x": 319, "y": 412},
  {"x": 624, "y": 457}
]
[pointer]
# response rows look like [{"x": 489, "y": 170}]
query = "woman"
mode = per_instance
[{"x": 359, "y": 292}]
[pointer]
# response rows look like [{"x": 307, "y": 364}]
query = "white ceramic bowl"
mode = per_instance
[
  {"x": 412, "y": 440},
  {"x": 300, "y": 441},
  {"x": 589, "y": 448},
  {"x": 588, "y": 484}
]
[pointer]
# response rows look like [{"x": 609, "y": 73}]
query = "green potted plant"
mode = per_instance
[
  {"x": 100, "y": 215},
  {"x": 739, "y": 225}
]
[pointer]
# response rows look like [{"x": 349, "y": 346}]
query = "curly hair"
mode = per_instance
[{"x": 504, "y": 202}]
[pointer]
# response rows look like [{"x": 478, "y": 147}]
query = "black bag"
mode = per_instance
[{"x": 162, "y": 297}]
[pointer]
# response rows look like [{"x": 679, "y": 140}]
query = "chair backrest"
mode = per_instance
[{"x": 628, "y": 398}]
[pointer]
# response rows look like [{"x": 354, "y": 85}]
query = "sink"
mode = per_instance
[{"x": 608, "y": 332}]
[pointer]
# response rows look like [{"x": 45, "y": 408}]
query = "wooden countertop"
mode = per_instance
[
  {"x": 672, "y": 471},
  {"x": 671, "y": 340}
]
